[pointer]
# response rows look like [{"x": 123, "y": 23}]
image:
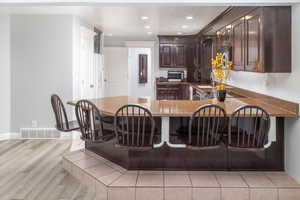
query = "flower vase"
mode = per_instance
[{"x": 221, "y": 95}]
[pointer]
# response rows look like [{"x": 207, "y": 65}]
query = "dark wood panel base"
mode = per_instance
[{"x": 166, "y": 158}]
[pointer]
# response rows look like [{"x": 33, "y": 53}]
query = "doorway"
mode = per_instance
[
  {"x": 89, "y": 66},
  {"x": 115, "y": 71}
]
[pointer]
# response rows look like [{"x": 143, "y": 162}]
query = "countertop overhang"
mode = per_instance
[{"x": 185, "y": 108}]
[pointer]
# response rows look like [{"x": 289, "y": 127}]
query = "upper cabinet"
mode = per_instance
[
  {"x": 253, "y": 42},
  {"x": 172, "y": 51},
  {"x": 260, "y": 37},
  {"x": 172, "y": 55},
  {"x": 165, "y": 55},
  {"x": 238, "y": 55},
  {"x": 179, "y": 56}
]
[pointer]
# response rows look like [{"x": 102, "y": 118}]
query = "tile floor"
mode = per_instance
[{"x": 112, "y": 182}]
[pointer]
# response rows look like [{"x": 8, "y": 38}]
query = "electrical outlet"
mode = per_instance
[{"x": 34, "y": 124}]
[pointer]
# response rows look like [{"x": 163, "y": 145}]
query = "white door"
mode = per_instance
[
  {"x": 100, "y": 76},
  {"x": 115, "y": 71},
  {"x": 89, "y": 63}
]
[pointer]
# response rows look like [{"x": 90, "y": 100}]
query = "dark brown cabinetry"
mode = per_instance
[
  {"x": 168, "y": 92},
  {"x": 172, "y": 91},
  {"x": 238, "y": 32},
  {"x": 253, "y": 42},
  {"x": 172, "y": 55},
  {"x": 206, "y": 56},
  {"x": 260, "y": 38},
  {"x": 172, "y": 51},
  {"x": 179, "y": 56},
  {"x": 246, "y": 43},
  {"x": 165, "y": 54},
  {"x": 224, "y": 37}
]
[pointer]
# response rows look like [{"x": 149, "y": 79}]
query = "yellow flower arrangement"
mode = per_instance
[{"x": 221, "y": 69}]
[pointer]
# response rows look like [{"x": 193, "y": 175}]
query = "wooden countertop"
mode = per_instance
[
  {"x": 172, "y": 83},
  {"x": 183, "y": 108},
  {"x": 246, "y": 96}
]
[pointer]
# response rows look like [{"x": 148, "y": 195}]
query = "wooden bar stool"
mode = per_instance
[
  {"x": 249, "y": 128},
  {"x": 134, "y": 128},
  {"x": 91, "y": 125},
  {"x": 206, "y": 127},
  {"x": 62, "y": 123}
]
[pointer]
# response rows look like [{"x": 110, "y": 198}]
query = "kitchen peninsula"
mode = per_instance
[
  {"x": 250, "y": 38},
  {"x": 169, "y": 153}
]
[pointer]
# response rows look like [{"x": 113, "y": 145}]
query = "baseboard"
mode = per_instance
[
  {"x": 62, "y": 136},
  {"x": 4, "y": 136}
]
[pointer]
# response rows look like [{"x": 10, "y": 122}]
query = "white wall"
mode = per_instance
[
  {"x": 4, "y": 74},
  {"x": 41, "y": 64},
  {"x": 134, "y": 87},
  {"x": 285, "y": 86}
]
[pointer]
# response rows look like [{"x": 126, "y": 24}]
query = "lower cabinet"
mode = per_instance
[{"x": 172, "y": 92}]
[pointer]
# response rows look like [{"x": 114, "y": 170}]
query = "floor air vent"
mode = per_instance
[{"x": 40, "y": 133}]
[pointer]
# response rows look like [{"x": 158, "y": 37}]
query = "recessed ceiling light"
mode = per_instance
[
  {"x": 189, "y": 17},
  {"x": 147, "y": 27},
  {"x": 109, "y": 34},
  {"x": 144, "y": 17},
  {"x": 149, "y": 33},
  {"x": 179, "y": 33},
  {"x": 184, "y": 26}
]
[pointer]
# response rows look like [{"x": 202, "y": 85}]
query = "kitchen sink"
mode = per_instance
[{"x": 204, "y": 86}]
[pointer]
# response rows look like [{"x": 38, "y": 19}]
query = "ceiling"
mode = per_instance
[{"x": 121, "y": 23}]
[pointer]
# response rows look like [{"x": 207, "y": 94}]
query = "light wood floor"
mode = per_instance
[{"x": 32, "y": 169}]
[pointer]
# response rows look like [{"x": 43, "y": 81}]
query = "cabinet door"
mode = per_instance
[
  {"x": 165, "y": 54},
  {"x": 179, "y": 56},
  {"x": 253, "y": 42},
  {"x": 207, "y": 53},
  {"x": 218, "y": 41},
  {"x": 238, "y": 43},
  {"x": 168, "y": 93},
  {"x": 198, "y": 54},
  {"x": 223, "y": 38}
]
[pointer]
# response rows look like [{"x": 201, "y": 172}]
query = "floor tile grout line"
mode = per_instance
[
  {"x": 249, "y": 193},
  {"x": 243, "y": 178},
  {"x": 190, "y": 181},
  {"x": 267, "y": 176},
  {"x": 164, "y": 192},
  {"x": 136, "y": 181},
  {"x": 215, "y": 175}
]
